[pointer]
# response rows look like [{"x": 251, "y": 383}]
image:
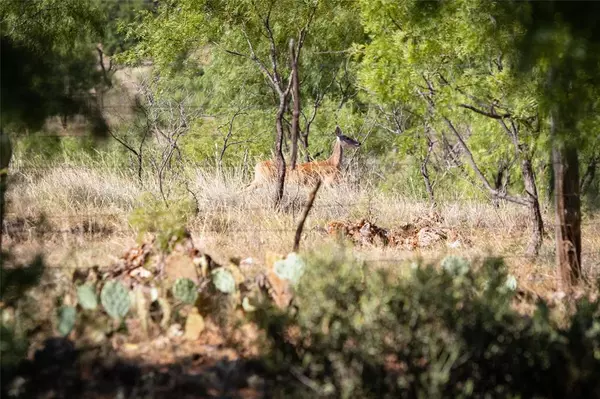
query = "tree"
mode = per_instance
[
  {"x": 48, "y": 67},
  {"x": 48, "y": 64},
  {"x": 562, "y": 42},
  {"x": 530, "y": 68},
  {"x": 243, "y": 45},
  {"x": 451, "y": 66}
]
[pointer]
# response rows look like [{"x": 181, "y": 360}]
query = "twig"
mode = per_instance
[{"x": 311, "y": 200}]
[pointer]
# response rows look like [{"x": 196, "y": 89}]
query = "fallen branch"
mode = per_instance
[{"x": 311, "y": 200}]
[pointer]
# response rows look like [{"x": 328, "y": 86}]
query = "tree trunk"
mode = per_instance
[
  {"x": 568, "y": 215},
  {"x": 535, "y": 214},
  {"x": 427, "y": 180},
  {"x": 499, "y": 182},
  {"x": 296, "y": 109},
  {"x": 307, "y": 156},
  {"x": 279, "y": 152},
  {"x": 425, "y": 173},
  {"x": 5, "y": 155}
]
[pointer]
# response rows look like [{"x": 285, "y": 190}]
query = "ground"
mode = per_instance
[{"x": 79, "y": 218}]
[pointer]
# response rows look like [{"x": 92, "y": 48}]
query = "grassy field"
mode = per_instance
[{"x": 80, "y": 216}]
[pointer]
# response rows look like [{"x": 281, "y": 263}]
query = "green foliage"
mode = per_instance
[
  {"x": 48, "y": 68},
  {"x": 185, "y": 290},
  {"x": 115, "y": 299},
  {"x": 66, "y": 319},
  {"x": 427, "y": 334},
  {"x": 455, "y": 265},
  {"x": 223, "y": 280},
  {"x": 205, "y": 43},
  {"x": 86, "y": 296},
  {"x": 167, "y": 222}
]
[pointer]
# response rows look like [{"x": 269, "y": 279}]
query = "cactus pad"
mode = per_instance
[
  {"x": 223, "y": 280},
  {"x": 185, "y": 290},
  {"x": 66, "y": 319},
  {"x": 115, "y": 299},
  {"x": 290, "y": 268},
  {"x": 87, "y": 297}
]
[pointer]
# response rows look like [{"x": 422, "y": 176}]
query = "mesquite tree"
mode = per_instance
[{"x": 248, "y": 42}]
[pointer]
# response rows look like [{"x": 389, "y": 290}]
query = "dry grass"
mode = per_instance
[{"x": 78, "y": 216}]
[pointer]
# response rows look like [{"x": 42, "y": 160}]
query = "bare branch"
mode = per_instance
[
  {"x": 123, "y": 142},
  {"x": 478, "y": 172},
  {"x": 229, "y": 134},
  {"x": 272, "y": 50},
  {"x": 304, "y": 30},
  {"x": 492, "y": 114},
  {"x": 311, "y": 200},
  {"x": 262, "y": 66}
]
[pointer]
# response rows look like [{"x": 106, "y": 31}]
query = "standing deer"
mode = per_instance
[{"x": 329, "y": 171}]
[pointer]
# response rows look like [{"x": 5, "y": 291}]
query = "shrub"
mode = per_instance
[
  {"x": 431, "y": 334},
  {"x": 167, "y": 222}
]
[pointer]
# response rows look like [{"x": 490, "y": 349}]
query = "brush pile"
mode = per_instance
[{"x": 423, "y": 232}]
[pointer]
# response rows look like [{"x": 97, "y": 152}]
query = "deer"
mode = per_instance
[{"x": 308, "y": 173}]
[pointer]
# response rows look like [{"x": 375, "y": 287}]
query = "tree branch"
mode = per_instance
[
  {"x": 492, "y": 114},
  {"x": 272, "y": 50},
  {"x": 478, "y": 172},
  {"x": 261, "y": 65},
  {"x": 229, "y": 133}
]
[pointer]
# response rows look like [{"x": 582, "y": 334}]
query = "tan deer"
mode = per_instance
[{"x": 329, "y": 171}]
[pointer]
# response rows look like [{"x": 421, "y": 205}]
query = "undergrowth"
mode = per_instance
[{"x": 430, "y": 333}]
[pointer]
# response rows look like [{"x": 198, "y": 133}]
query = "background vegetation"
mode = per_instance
[{"x": 138, "y": 121}]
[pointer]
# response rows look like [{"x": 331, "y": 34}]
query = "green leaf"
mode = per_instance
[{"x": 66, "y": 319}]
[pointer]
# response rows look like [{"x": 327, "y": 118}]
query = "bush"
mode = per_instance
[
  {"x": 433, "y": 333},
  {"x": 166, "y": 222}
]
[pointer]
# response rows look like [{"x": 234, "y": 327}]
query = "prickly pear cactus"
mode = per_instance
[
  {"x": 290, "y": 268},
  {"x": 87, "y": 297},
  {"x": 115, "y": 299},
  {"x": 455, "y": 265},
  {"x": 185, "y": 290},
  {"x": 66, "y": 319},
  {"x": 223, "y": 280},
  {"x": 511, "y": 283}
]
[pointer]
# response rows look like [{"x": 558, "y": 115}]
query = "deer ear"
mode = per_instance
[{"x": 338, "y": 131}]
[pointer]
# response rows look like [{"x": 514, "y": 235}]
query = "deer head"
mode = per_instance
[{"x": 345, "y": 140}]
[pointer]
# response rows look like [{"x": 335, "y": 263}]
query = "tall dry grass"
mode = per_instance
[{"x": 82, "y": 213}]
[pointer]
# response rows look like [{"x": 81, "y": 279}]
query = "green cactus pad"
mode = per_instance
[
  {"x": 290, "y": 268},
  {"x": 87, "y": 297},
  {"x": 66, "y": 319},
  {"x": 223, "y": 280},
  {"x": 115, "y": 299},
  {"x": 185, "y": 290}
]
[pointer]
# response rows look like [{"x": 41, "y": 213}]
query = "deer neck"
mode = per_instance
[{"x": 337, "y": 155}]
